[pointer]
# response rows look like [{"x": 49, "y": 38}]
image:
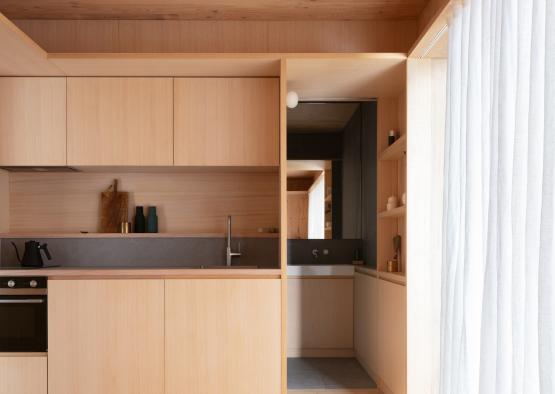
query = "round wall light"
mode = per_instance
[{"x": 292, "y": 99}]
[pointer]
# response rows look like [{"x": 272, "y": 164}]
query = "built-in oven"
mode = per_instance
[{"x": 23, "y": 314}]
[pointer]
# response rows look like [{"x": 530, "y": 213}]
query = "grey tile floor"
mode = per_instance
[{"x": 327, "y": 373}]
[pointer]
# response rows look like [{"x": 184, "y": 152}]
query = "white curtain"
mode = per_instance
[{"x": 498, "y": 270}]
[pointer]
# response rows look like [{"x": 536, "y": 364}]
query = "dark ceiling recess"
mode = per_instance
[{"x": 320, "y": 117}]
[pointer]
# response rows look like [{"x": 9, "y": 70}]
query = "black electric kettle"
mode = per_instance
[{"x": 31, "y": 255}]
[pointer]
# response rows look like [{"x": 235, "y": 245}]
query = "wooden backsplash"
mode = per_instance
[{"x": 187, "y": 202}]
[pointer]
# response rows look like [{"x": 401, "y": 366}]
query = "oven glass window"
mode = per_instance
[{"x": 23, "y": 324}]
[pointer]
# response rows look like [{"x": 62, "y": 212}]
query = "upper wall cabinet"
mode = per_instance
[
  {"x": 32, "y": 121},
  {"x": 226, "y": 121},
  {"x": 119, "y": 121}
]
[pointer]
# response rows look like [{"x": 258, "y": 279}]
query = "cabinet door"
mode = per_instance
[
  {"x": 22, "y": 375},
  {"x": 223, "y": 336},
  {"x": 106, "y": 336},
  {"x": 32, "y": 121},
  {"x": 319, "y": 316},
  {"x": 366, "y": 321},
  {"x": 119, "y": 121},
  {"x": 226, "y": 121},
  {"x": 392, "y": 318}
]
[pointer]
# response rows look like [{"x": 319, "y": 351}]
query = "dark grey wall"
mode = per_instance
[
  {"x": 314, "y": 146},
  {"x": 148, "y": 252},
  {"x": 369, "y": 181},
  {"x": 351, "y": 221},
  {"x": 341, "y": 251}
]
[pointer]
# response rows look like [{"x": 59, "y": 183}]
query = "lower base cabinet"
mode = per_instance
[
  {"x": 23, "y": 375},
  {"x": 380, "y": 331},
  {"x": 223, "y": 336},
  {"x": 175, "y": 336},
  {"x": 106, "y": 336},
  {"x": 319, "y": 316}
]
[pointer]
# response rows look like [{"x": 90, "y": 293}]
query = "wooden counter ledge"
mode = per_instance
[{"x": 143, "y": 273}]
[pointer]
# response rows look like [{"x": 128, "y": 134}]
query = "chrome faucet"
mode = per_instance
[{"x": 229, "y": 253}]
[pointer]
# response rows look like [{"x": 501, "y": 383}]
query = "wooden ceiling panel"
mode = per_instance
[
  {"x": 214, "y": 9},
  {"x": 353, "y": 77}
]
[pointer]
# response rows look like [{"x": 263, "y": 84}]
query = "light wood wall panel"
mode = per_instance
[
  {"x": 106, "y": 336},
  {"x": 33, "y": 121},
  {"x": 283, "y": 216},
  {"x": 4, "y": 201},
  {"x": 433, "y": 27},
  {"x": 221, "y": 36},
  {"x": 431, "y": 11},
  {"x": 177, "y": 64},
  {"x": 23, "y": 375},
  {"x": 226, "y": 121},
  {"x": 223, "y": 336},
  {"x": 120, "y": 121},
  {"x": 426, "y": 96},
  {"x": 20, "y": 55},
  {"x": 297, "y": 215},
  {"x": 188, "y": 202},
  {"x": 319, "y": 314}
]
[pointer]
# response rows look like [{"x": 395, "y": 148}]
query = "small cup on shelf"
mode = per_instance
[
  {"x": 392, "y": 202},
  {"x": 124, "y": 227},
  {"x": 391, "y": 137},
  {"x": 392, "y": 266}
]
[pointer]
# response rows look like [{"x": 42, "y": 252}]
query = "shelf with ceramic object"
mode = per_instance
[
  {"x": 395, "y": 277},
  {"x": 395, "y": 151},
  {"x": 394, "y": 213}
]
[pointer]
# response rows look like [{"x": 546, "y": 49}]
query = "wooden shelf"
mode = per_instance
[
  {"x": 136, "y": 235},
  {"x": 397, "y": 277},
  {"x": 395, "y": 151},
  {"x": 393, "y": 213}
]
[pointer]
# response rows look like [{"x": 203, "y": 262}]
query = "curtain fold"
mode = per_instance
[{"x": 498, "y": 270}]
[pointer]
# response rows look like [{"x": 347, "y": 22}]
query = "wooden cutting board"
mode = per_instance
[{"x": 113, "y": 209}]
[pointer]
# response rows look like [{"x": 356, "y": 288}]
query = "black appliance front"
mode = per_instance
[{"x": 23, "y": 315}]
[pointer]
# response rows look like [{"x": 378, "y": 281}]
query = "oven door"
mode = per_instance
[{"x": 23, "y": 321}]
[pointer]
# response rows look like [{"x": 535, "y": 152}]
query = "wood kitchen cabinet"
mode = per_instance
[
  {"x": 380, "y": 330},
  {"x": 319, "y": 316},
  {"x": 366, "y": 321},
  {"x": 226, "y": 121},
  {"x": 32, "y": 121},
  {"x": 23, "y": 374},
  {"x": 392, "y": 336},
  {"x": 120, "y": 121},
  {"x": 223, "y": 336},
  {"x": 106, "y": 336}
]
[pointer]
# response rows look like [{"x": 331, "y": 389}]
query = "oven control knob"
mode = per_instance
[
  {"x": 33, "y": 283},
  {"x": 11, "y": 283}
]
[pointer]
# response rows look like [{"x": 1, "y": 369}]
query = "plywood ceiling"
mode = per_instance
[
  {"x": 214, "y": 9},
  {"x": 320, "y": 117}
]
